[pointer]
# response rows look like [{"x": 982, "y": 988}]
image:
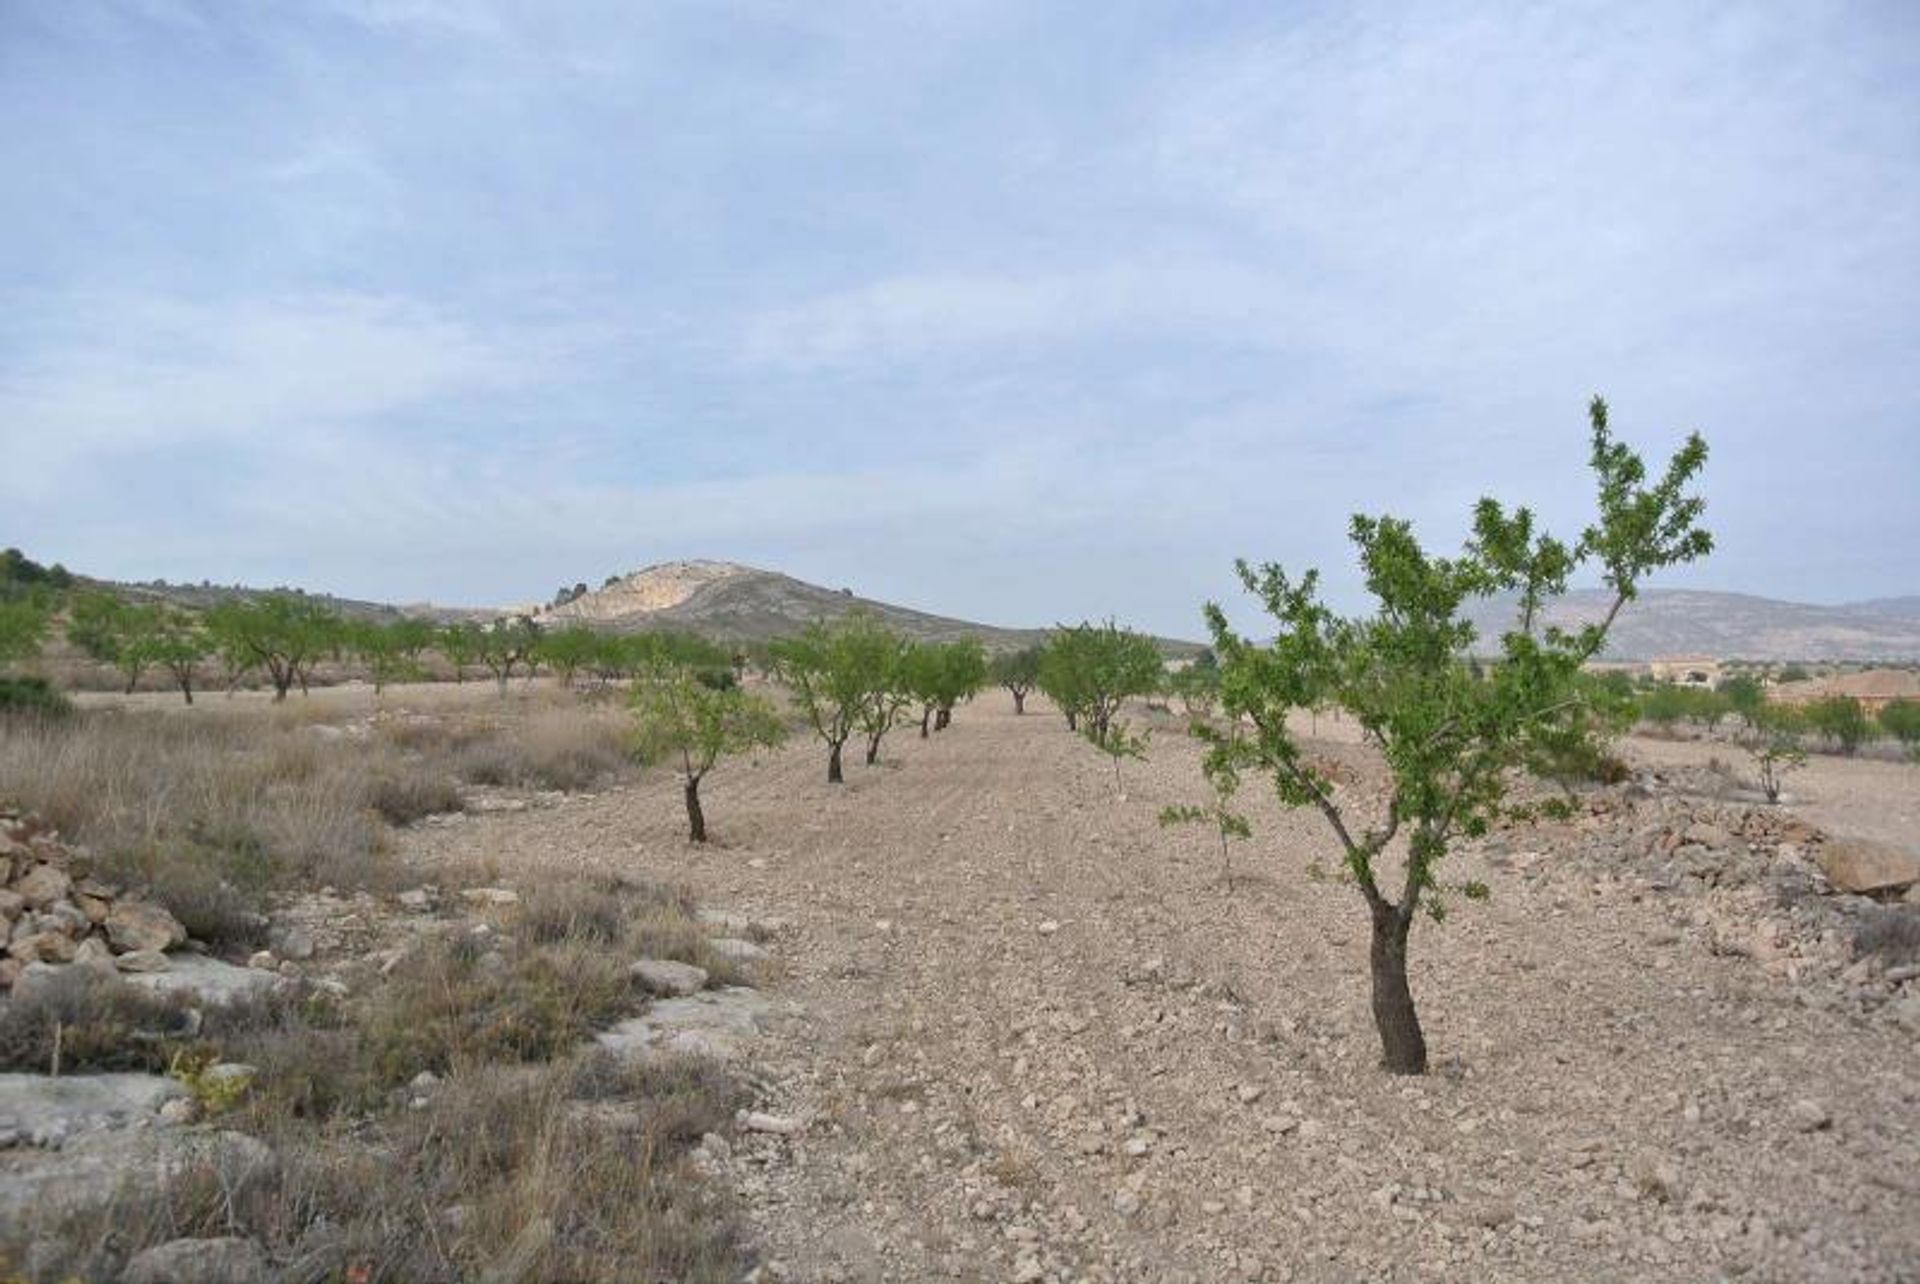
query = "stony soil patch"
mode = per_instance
[{"x": 1044, "y": 1041}]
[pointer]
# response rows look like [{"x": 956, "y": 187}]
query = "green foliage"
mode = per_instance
[
  {"x": 1017, "y": 671},
  {"x": 391, "y": 651},
  {"x": 939, "y": 675},
  {"x": 1089, "y": 669},
  {"x": 1578, "y": 748},
  {"x": 833, "y": 671},
  {"x": 34, "y": 696},
  {"x": 1224, "y": 780},
  {"x": 1773, "y": 740},
  {"x": 679, "y": 718},
  {"x": 566, "y": 651},
  {"x": 506, "y": 645},
  {"x": 1666, "y": 704},
  {"x": 1841, "y": 720},
  {"x": 23, "y": 626},
  {"x": 21, "y": 576},
  {"x": 1118, "y": 744},
  {"x": 1745, "y": 698},
  {"x": 284, "y": 633},
  {"x": 1901, "y": 720},
  {"x": 1450, "y": 739},
  {"x": 460, "y": 645},
  {"x": 1794, "y": 673},
  {"x": 1197, "y": 686}
]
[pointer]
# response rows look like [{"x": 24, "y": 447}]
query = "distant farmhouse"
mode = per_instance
[
  {"x": 1875, "y": 689},
  {"x": 1686, "y": 670}
]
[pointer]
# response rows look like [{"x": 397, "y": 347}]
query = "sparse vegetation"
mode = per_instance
[{"x": 1019, "y": 672}]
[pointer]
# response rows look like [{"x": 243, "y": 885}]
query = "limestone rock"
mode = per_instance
[
  {"x": 142, "y": 925},
  {"x": 43, "y": 885},
  {"x": 736, "y": 949},
  {"x": 198, "y": 1261},
  {"x": 665, "y": 976},
  {"x": 1861, "y": 865}
]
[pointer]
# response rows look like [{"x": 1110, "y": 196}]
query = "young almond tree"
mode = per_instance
[
  {"x": 1019, "y": 672},
  {"x": 890, "y": 691},
  {"x": 117, "y": 632},
  {"x": 832, "y": 671},
  {"x": 180, "y": 645},
  {"x": 1449, "y": 737},
  {"x": 284, "y": 633},
  {"x": 1089, "y": 670},
  {"x": 682, "y": 719},
  {"x": 941, "y": 675}
]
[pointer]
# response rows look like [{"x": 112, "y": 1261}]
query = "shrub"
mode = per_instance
[
  {"x": 567, "y": 749},
  {"x": 32, "y": 697}
]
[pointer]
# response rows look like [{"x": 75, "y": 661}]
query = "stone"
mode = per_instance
[
  {"x": 491, "y": 896},
  {"x": 43, "y": 947},
  {"x": 198, "y": 1261},
  {"x": 142, "y": 925},
  {"x": 1707, "y": 835},
  {"x": 1861, "y": 865},
  {"x": 94, "y": 950},
  {"x": 43, "y": 885},
  {"x": 12, "y": 904},
  {"x": 716, "y": 1023},
  {"x": 48, "y": 1111},
  {"x": 419, "y": 900},
  {"x": 292, "y": 943},
  {"x": 96, "y": 908},
  {"x": 142, "y": 961},
  {"x": 208, "y": 980},
  {"x": 736, "y": 949},
  {"x": 179, "y": 1112},
  {"x": 230, "y": 1076},
  {"x": 263, "y": 960},
  {"x": 1808, "y": 1115},
  {"x": 778, "y": 1125},
  {"x": 665, "y": 976},
  {"x": 728, "y": 921}
]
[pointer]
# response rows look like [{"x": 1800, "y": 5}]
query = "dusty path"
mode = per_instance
[{"x": 1044, "y": 1042}]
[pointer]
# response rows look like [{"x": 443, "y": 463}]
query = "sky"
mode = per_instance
[{"x": 1012, "y": 310}]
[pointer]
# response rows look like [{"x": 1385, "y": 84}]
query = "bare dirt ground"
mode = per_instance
[{"x": 1044, "y": 1041}]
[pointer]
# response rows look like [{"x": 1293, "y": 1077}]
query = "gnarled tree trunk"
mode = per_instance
[
  {"x": 1403, "y": 1048},
  {"x": 696, "y": 819},
  {"x": 834, "y": 775}
]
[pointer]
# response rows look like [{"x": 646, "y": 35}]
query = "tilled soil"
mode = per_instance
[{"x": 1045, "y": 1040}]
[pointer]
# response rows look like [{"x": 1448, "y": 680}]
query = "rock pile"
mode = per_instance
[{"x": 54, "y": 910}]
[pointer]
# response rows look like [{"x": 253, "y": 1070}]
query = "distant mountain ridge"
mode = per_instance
[
  {"x": 735, "y": 603},
  {"x": 1664, "y": 622}
]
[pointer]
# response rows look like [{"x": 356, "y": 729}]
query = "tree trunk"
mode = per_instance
[
  {"x": 926, "y": 716},
  {"x": 696, "y": 819},
  {"x": 282, "y": 680},
  {"x": 873, "y": 747},
  {"x": 1403, "y": 1048},
  {"x": 133, "y": 680},
  {"x": 1073, "y": 721},
  {"x": 834, "y": 776},
  {"x": 1019, "y": 702},
  {"x": 944, "y": 718}
]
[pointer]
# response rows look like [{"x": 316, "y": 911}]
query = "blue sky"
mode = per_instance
[{"x": 1019, "y": 311}]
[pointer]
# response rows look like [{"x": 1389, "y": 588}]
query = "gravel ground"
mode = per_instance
[{"x": 1044, "y": 1040}]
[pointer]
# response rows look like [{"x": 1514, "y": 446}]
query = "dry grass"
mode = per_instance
[
  {"x": 564, "y": 1161},
  {"x": 574, "y": 1171},
  {"x": 213, "y": 809}
]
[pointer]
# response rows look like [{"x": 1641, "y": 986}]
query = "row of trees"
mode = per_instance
[
  {"x": 1841, "y": 721},
  {"x": 856, "y": 676},
  {"x": 284, "y": 636}
]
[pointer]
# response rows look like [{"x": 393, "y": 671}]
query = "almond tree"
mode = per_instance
[
  {"x": 941, "y": 675},
  {"x": 1090, "y": 669},
  {"x": 1019, "y": 672},
  {"x": 117, "y": 632},
  {"x": 1448, "y": 738},
  {"x": 832, "y": 671},
  {"x": 504, "y": 646},
  {"x": 284, "y": 633},
  {"x": 681, "y": 718}
]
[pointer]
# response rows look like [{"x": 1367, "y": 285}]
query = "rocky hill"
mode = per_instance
[
  {"x": 730, "y": 602},
  {"x": 1735, "y": 626}
]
